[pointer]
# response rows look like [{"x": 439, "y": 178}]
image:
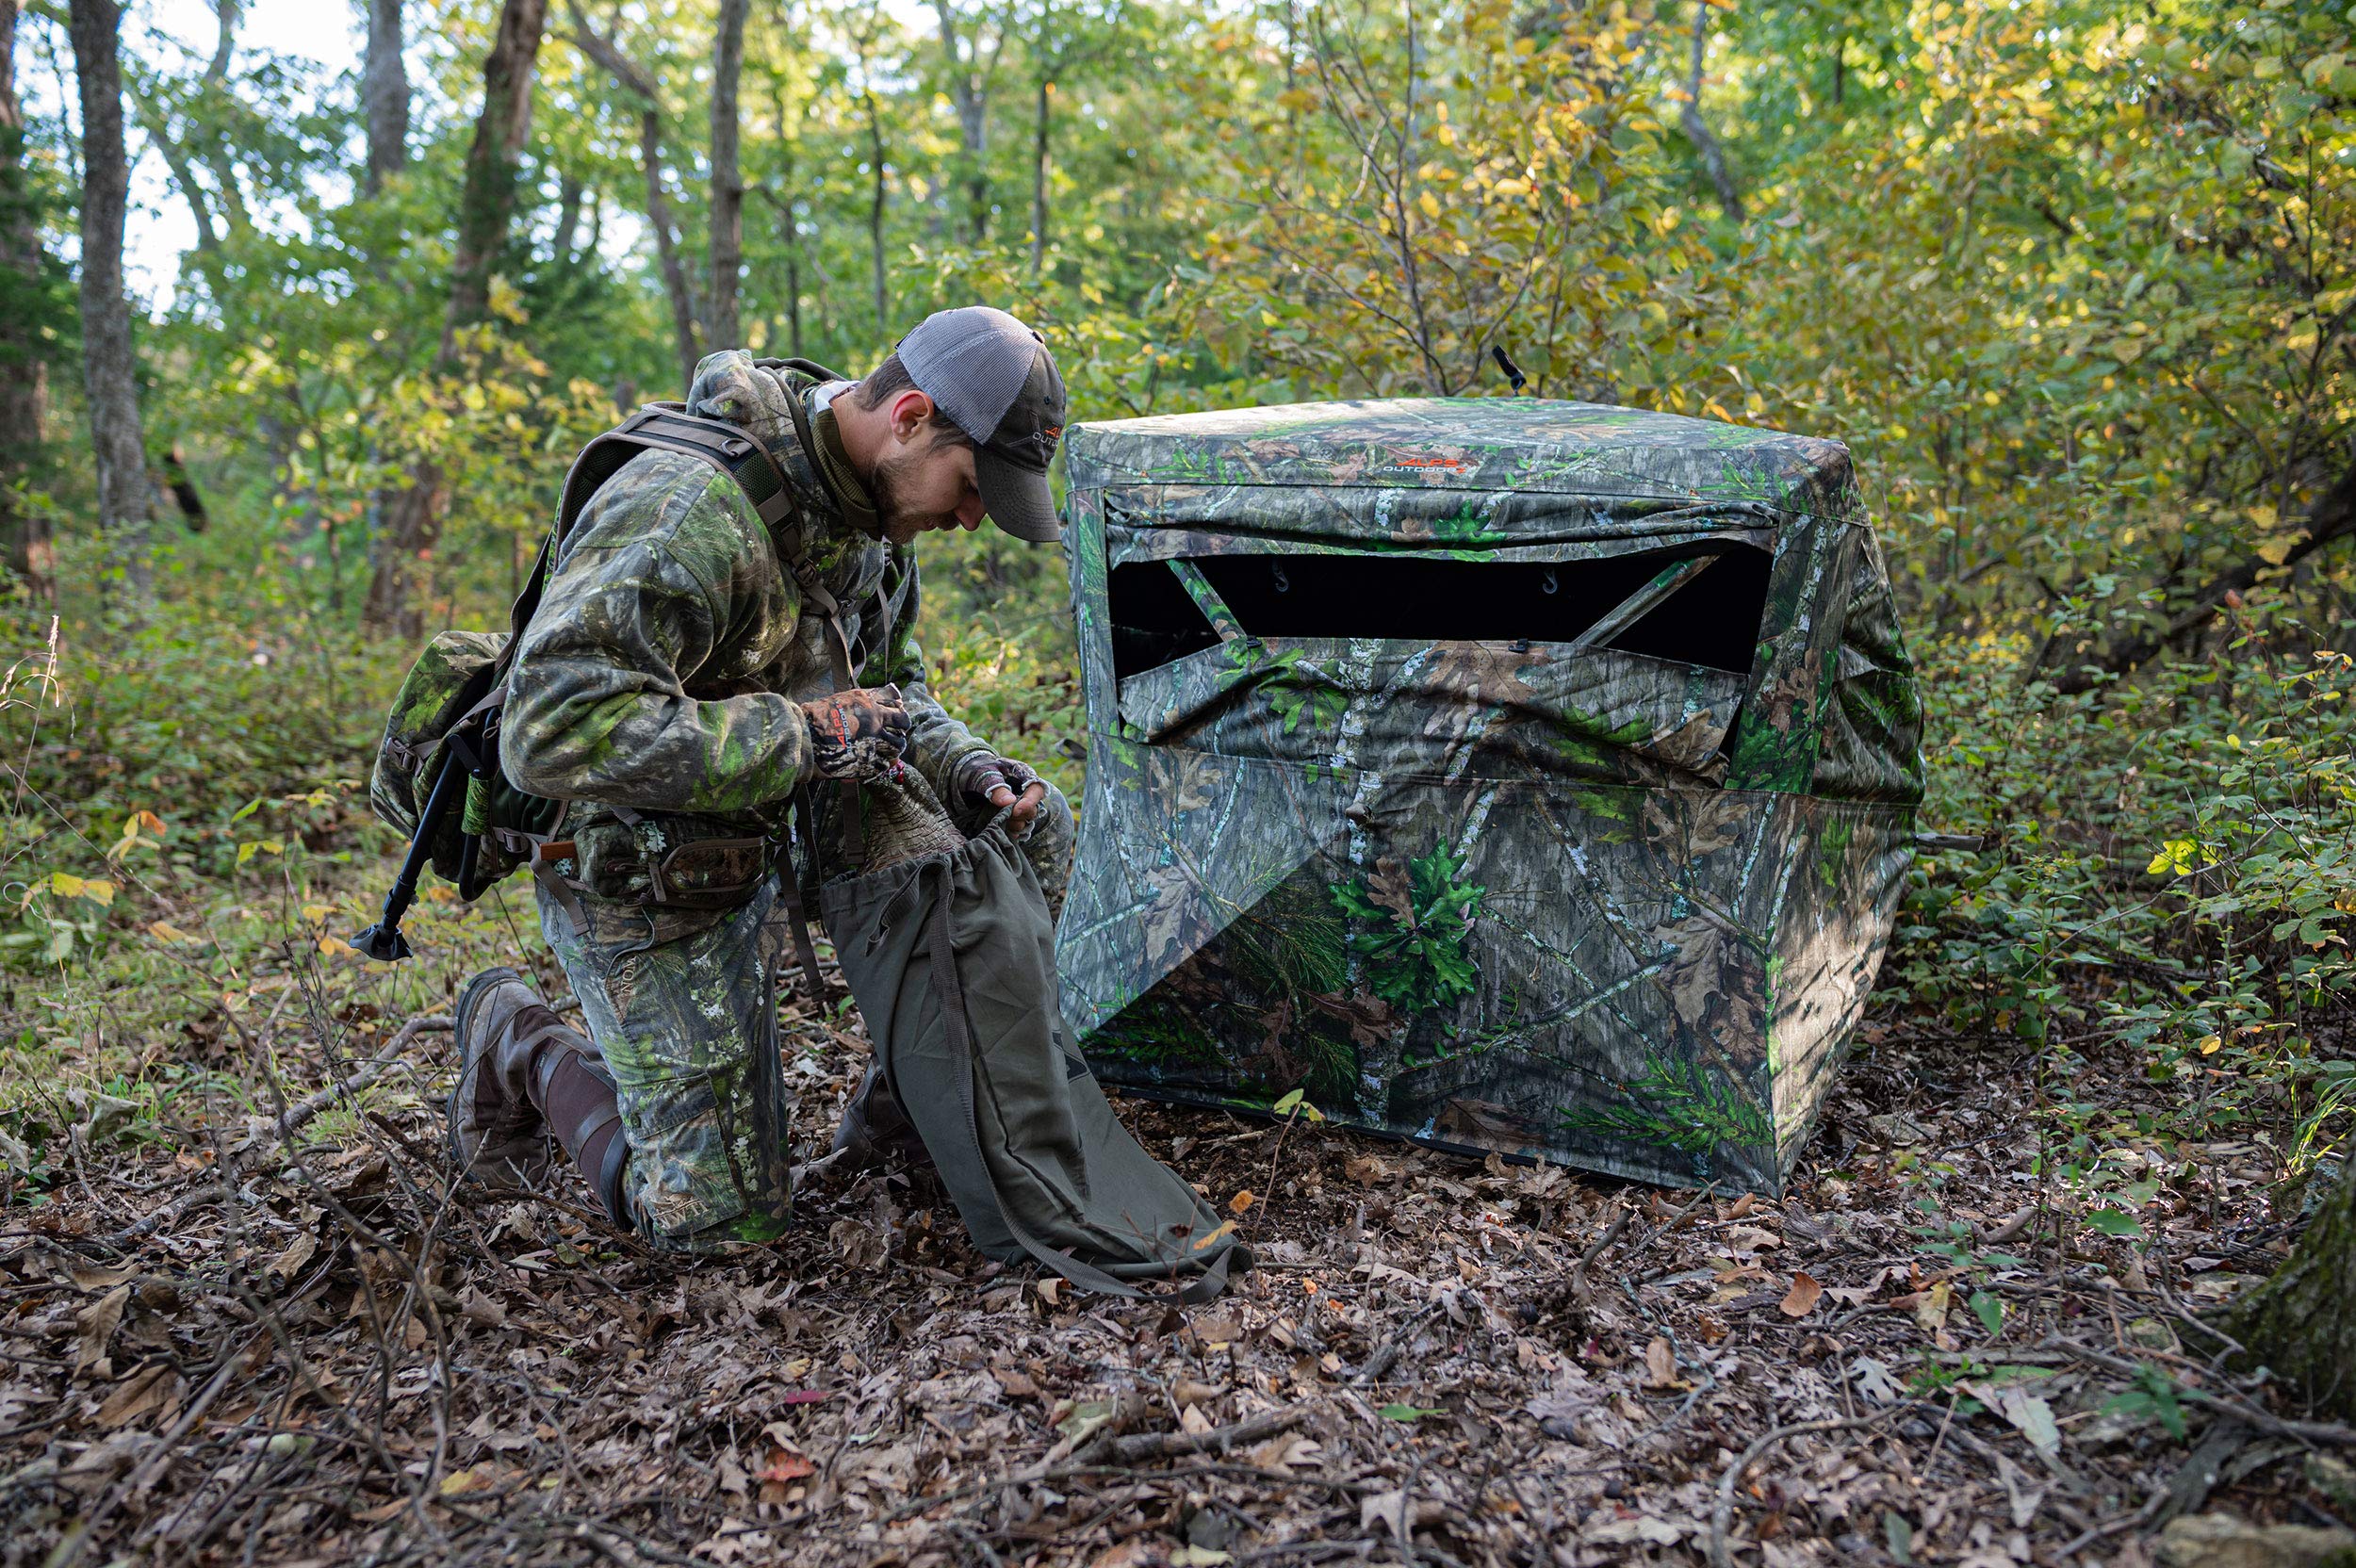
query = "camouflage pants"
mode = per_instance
[{"x": 682, "y": 1002}]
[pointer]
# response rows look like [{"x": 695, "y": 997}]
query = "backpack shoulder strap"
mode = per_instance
[
  {"x": 668, "y": 427},
  {"x": 807, "y": 367}
]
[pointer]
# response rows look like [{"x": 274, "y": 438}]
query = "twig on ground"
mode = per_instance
[
  {"x": 1722, "y": 1515},
  {"x": 1386, "y": 1357},
  {"x": 290, "y": 1121}
]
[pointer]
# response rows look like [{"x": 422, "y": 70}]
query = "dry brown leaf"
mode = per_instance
[
  {"x": 95, "y": 1325},
  {"x": 1049, "y": 1290},
  {"x": 1661, "y": 1364},
  {"x": 143, "y": 1393},
  {"x": 1803, "y": 1296},
  {"x": 1190, "y": 1418},
  {"x": 1857, "y": 1296},
  {"x": 1241, "y": 1201}
]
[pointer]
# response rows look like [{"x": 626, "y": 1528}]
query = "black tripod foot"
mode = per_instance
[{"x": 382, "y": 943}]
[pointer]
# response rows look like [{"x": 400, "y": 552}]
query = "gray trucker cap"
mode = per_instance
[{"x": 994, "y": 379}]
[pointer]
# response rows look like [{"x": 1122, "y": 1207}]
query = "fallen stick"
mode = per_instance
[
  {"x": 1722, "y": 1515},
  {"x": 290, "y": 1121},
  {"x": 1221, "y": 1440}
]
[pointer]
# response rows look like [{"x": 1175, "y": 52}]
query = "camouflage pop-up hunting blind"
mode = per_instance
[{"x": 1510, "y": 774}]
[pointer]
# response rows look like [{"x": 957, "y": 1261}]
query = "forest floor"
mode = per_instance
[{"x": 335, "y": 1354}]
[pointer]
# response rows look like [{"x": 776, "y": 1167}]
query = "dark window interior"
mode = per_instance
[{"x": 1711, "y": 620}]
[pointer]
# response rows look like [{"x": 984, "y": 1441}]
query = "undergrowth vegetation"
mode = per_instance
[{"x": 2159, "y": 866}]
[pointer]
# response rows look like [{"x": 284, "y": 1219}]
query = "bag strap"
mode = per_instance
[
  {"x": 748, "y": 460},
  {"x": 949, "y": 995}
]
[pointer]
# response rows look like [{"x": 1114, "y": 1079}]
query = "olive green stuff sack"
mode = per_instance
[
  {"x": 455, "y": 671},
  {"x": 951, "y": 956}
]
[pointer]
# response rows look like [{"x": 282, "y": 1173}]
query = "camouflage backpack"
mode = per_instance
[{"x": 437, "y": 776}]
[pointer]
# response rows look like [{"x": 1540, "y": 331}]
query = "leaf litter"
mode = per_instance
[{"x": 335, "y": 1354}]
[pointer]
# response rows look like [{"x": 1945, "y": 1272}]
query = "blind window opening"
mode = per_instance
[{"x": 1689, "y": 607}]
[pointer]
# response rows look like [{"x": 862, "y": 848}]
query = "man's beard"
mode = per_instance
[{"x": 888, "y": 485}]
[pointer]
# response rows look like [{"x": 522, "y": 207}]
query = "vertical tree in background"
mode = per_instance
[
  {"x": 23, "y": 373},
  {"x": 1698, "y": 129},
  {"x": 642, "y": 86},
  {"x": 384, "y": 95},
  {"x": 864, "y": 32},
  {"x": 109, "y": 372},
  {"x": 1060, "y": 42},
  {"x": 486, "y": 208},
  {"x": 970, "y": 47},
  {"x": 728, "y": 179}
]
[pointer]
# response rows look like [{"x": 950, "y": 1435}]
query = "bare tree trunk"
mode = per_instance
[
  {"x": 635, "y": 82},
  {"x": 23, "y": 373},
  {"x": 2300, "y": 1322},
  {"x": 566, "y": 239},
  {"x": 109, "y": 367},
  {"x": 1698, "y": 129},
  {"x": 212, "y": 147},
  {"x": 486, "y": 205},
  {"x": 1038, "y": 176},
  {"x": 876, "y": 211},
  {"x": 970, "y": 67},
  {"x": 486, "y": 208},
  {"x": 789, "y": 228},
  {"x": 384, "y": 95},
  {"x": 728, "y": 178}
]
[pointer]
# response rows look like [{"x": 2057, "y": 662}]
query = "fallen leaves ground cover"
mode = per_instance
[{"x": 274, "y": 1330}]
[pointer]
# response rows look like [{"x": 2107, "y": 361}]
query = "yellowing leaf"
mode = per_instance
[
  {"x": 1429, "y": 204},
  {"x": 317, "y": 912},
  {"x": 2209, "y": 1046},
  {"x": 163, "y": 930},
  {"x": 334, "y": 947},
  {"x": 2180, "y": 858},
  {"x": 1241, "y": 1201},
  {"x": 65, "y": 885}
]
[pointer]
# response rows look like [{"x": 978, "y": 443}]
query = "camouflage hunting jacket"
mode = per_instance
[{"x": 665, "y": 667}]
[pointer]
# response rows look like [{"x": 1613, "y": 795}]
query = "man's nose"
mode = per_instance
[{"x": 970, "y": 513}]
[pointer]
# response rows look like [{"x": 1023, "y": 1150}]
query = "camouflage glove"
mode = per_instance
[
  {"x": 859, "y": 734},
  {"x": 1001, "y": 782}
]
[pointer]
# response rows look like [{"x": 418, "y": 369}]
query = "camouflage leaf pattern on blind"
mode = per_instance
[{"x": 1573, "y": 903}]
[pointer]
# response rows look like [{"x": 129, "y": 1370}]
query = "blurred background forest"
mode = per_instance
[{"x": 2073, "y": 280}]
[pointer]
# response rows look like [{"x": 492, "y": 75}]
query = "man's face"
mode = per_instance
[{"x": 923, "y": 479}]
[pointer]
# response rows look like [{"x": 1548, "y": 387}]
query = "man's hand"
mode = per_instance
[
  {"x": 1003, "y": 783},
  {"x": 860, "y": 733}
]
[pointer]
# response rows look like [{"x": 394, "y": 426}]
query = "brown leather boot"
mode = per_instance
[{"x": 527, "y": 1082}]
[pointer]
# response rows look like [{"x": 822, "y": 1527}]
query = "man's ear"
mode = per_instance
[{"x": 909, "y": 412}]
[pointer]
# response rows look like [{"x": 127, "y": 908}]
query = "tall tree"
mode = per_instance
[
  {"x": 384, "y": 95},
  {"x": 970, "y": 49},
  {"x": 486, "y": 209},
  {"x": 109, "y": 368},
  {"x": 639, "y": 85},
  {"x": 1696, "y": 128},
  {"x": 728, "y": 178},
  {"x": 2298, "y": 1322},
  {"x": 864, "y": 35},
  {"x": 24, "y": 371},
  {"x": 1057, "y": 47}
]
